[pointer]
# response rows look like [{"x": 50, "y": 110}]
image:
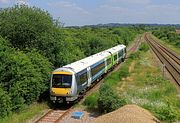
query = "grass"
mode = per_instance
[
  {"x": 144, "y": 86},
  {"x": 91, "y": 101},
  {"x": 150, "y": 90},
  {"x": 26, "y": 114}
]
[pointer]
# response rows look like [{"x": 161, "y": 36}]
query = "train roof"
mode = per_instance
[
  {"x": 88, "y": 61},
  {"x": 116, "y": 48}
]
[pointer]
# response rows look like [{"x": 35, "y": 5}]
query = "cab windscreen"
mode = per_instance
[{"x": 61, "y": 81}]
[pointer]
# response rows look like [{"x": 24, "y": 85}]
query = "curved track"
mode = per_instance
[
  {"x": 170, "y": 59},
  {"x": 56, "y": 115}
]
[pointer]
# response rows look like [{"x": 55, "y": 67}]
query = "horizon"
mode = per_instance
[{"x": 94, "y": 12}]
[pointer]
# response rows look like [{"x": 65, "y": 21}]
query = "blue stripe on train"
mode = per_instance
[
  {"x": 97, "y": 75},
  {"x": 96, "y": 64}
]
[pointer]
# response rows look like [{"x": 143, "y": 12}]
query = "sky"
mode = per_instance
[{"x": 90, "y": 12}]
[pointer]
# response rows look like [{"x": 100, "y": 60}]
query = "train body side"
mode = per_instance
[{"x": 84, "y": 73}]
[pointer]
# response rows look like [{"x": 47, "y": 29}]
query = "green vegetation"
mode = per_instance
[
  {"x": 144, "y": 47},
  {"x": 21, "y": 78},
  {"x": 167, "y": 44},
  {"x": 150, "y": 90},
  {"x": 28, "y": 113},
  {"x": 168, "y": 34},
  {"x": 91, "y": 101},
  {"x": 32, "y": 44},
  {"x": 139, "y": 81},
  {"x": 108, "y": 99}
]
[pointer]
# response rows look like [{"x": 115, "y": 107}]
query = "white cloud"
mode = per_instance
[
  {"x": 163, "y": 13},
  {"x": 68, "y": 5},
  {"x": 4, "y": 1},
  {"x": 150, "y": 13},
  {"x": 128, "y": 2},
  {"x": 70, "y": 13},
  {"x": 22, "y": 2},
  {"x": 120, "y": 11}
]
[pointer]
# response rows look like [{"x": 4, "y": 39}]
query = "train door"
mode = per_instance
[{"x": 89, "y": 76}]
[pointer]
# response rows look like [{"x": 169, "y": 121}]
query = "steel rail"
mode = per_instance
[
  {"x": 162, "y": 55},
  {"x": 170, "y": 53}
]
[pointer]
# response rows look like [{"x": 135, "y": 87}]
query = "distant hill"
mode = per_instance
[{"x": 125, "y": 25}]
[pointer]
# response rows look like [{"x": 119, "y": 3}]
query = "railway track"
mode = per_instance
[
  {"x": 168, "y": 58},
  {"x": 56, "y": 115},
  {"x": 134, "y": 47}
]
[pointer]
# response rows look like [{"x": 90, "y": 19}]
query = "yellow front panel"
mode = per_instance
[
  {"x": 61, "y": 91},
  {"x": 62, "y": 72}
]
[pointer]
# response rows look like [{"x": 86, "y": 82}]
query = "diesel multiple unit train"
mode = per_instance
[{"x": 69, "y": 82}]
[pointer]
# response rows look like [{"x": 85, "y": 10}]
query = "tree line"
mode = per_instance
[
  {"x": 32, "y": 44},
  {"x": 168, "y": 34}
]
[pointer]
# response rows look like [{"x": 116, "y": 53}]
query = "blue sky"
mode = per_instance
[{"x": 85, "y": 12}]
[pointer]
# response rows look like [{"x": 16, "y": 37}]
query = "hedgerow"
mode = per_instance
[
  {"x": 5, "y": 103},
  {"x": 22, "y": 76}
]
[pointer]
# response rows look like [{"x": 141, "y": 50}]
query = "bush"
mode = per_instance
[
  {"x": 42, "y": 66},
  {"x": 109, "y": 100},
  {"x": 5, "y": 103},
  {"x": 144, "y": 47},
  {"x": 167, "y": 112},
  {"x": 33, "y": 28},
  {"x": 135, "y": 55},
  {"x": 23, "y": 76},
  {"x": 91, "y": 101}
]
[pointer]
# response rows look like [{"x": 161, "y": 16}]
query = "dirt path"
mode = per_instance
[{"x": 125, "y": 81}]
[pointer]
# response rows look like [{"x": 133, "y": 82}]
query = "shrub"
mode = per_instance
[
  {"x": 31, "y": 27},
  {"x": 167, "y": 112},
  {"x": 135, "y": 55},
  {"x": 41, "y": 64},
  {"x": 109, "y": 100},
  {"x": 23, "y": 76},
  {"x": 91, "y": 101},
  {"x": 5, "y": 103},
  {"x": 144, "y": 47}
]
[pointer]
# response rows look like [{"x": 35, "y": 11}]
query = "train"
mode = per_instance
[{"x": 71, "y": 81}]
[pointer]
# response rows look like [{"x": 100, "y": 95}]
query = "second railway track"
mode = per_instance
[{"x": 167, "y": 57}]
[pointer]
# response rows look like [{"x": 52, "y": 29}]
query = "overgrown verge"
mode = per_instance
[
  {"x": 150, "y": 90},
  {"x": 146, "y": 88},
  {"x": 27, "y": 114}
]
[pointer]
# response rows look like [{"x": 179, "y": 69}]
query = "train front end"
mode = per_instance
[{"x": 62, "y": 86}]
